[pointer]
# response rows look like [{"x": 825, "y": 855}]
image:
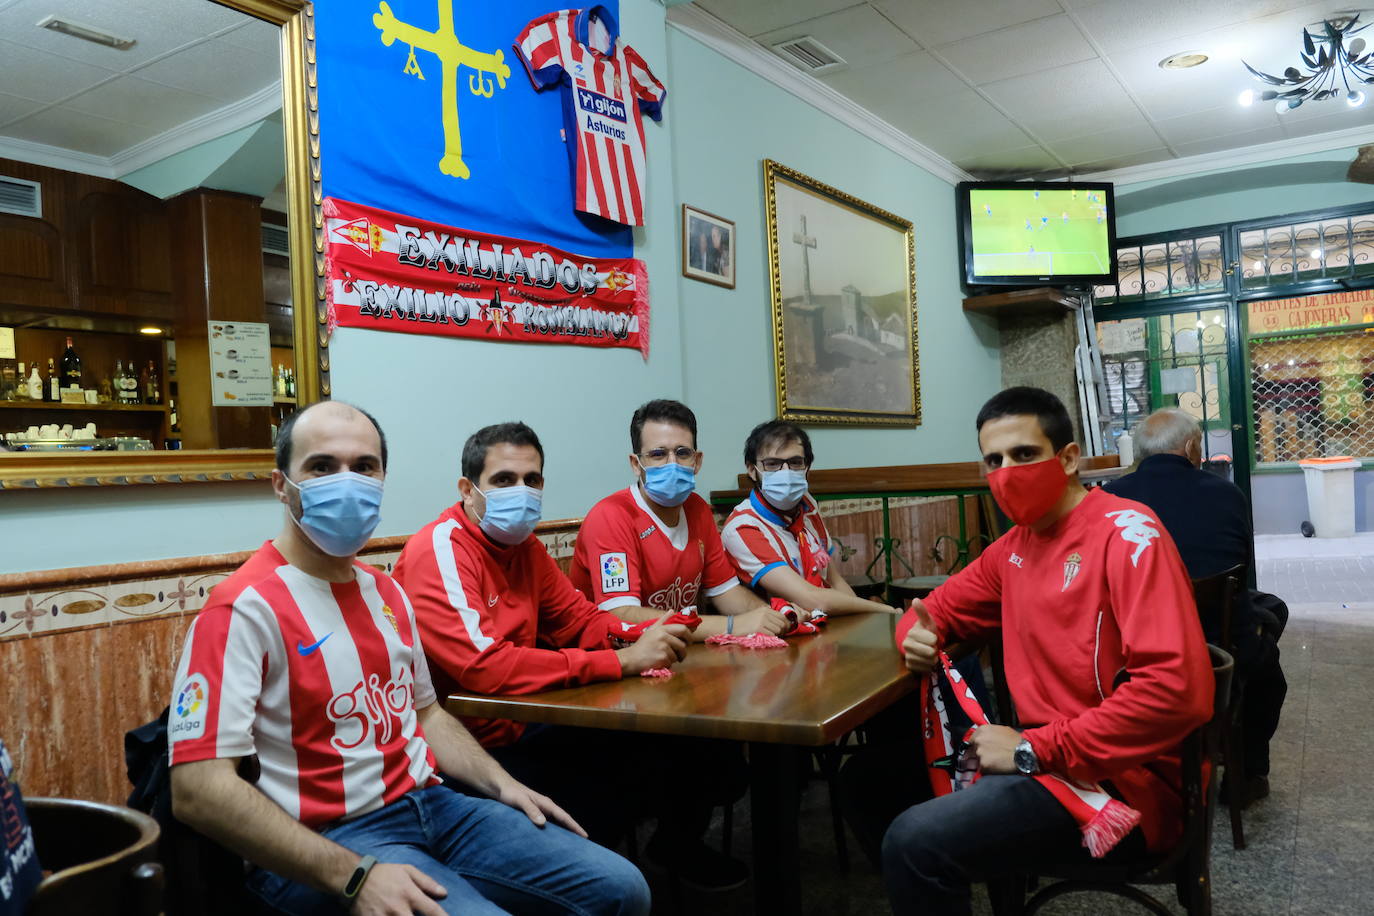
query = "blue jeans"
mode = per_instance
[
  {"x": 1000, "y": 825},
  {"x": 488, "y": 856}
]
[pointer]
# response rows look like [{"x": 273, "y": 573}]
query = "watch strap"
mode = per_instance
[{"x": 359, "y": 876}]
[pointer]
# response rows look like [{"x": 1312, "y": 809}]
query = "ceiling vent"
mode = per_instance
[
  {"x": 21, "y": 197},
  {"x": 809, "y": 55},
  {"x": 275, "y": 240}
]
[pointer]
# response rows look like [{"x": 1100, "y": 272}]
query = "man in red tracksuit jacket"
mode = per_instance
[
  {"x": 1104, "y": 658},
  {"x": 497, "y": 616}
]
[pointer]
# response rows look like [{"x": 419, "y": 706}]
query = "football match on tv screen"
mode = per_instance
[{"x": 1039, "y": 233}]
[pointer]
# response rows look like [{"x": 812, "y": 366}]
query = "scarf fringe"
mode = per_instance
[{"x": 1108, "y": 827}]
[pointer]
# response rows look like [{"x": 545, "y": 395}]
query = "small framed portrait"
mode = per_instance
[{"x": 708, "y": 247}]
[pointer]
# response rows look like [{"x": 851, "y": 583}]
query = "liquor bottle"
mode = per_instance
[
  {"x": 71, "y": 367},
  {"x": 8, "y": 382},
  {"x": 53, "y": 390},
  {"x": 172, "y": 418},
  {"x": 152, "y": 390},
  {"x": 109, "y": 388},
  {"x": 35, "y": 382},
  {"x": 279, "y": 382},
  {"x": 290, "y": 383},
  {"x": 130, "y": 383}
]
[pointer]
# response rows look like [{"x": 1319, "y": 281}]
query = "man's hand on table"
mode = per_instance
[
  {"x": 994, "y": 746},
  {"x": 661, "y": 646},
  {"x": 919, "y": 647}
]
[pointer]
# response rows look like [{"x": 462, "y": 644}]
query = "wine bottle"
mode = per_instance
[
  {"x": 8, "y": 382},
  {"x": 130, "y": 384},
  {"x": 152, "y": 391},
  {"x": 52, "y": 389},
  {"x": 172, "y": 417},
  {"x": 71, "y": 367},
  {"x": 290, "y": 383}
]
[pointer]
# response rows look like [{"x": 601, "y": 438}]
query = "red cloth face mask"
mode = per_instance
[{"x": 1027, "y": 491}]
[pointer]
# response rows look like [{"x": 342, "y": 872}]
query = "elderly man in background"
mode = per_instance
[{"x": 1209, "y": 519}]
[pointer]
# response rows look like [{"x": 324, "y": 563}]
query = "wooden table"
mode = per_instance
[{"x": 778, "y": 700}]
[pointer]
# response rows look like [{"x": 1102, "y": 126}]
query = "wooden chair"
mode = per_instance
[
  {"x": 102, "y": 859},
  {"x": 1187, "y": 866},
  {"x": 1216, "y": 596}
]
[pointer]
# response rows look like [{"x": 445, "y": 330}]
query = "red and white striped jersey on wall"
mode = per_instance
[
  {"x": 320, "y": 679},
  {"x": 607, "y": 89}
]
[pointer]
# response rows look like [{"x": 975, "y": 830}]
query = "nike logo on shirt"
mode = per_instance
[{"x": 303, "y": 649}]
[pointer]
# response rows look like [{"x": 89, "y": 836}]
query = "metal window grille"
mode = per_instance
[
  {"x": 1165, "y": 270},
  {"x": 1328, "y": 249},
  {"x": 1313, "y": 396}
]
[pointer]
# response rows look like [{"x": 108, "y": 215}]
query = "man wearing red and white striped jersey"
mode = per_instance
[
  {"x": 655, "y": 545},
  {"x": 312, "y": 661},
  {"x": 776, "y": 537},
  {"x": 607, "y": 88}
]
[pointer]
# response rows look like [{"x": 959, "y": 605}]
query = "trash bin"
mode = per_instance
[{"x": 1331, "y": 495}]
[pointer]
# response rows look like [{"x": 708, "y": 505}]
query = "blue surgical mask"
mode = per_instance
[
  {"x": 511, "y": 513},
  {"x": 669, "y": 484},
  {"x": 783, "y": 488},
  {"x": 340, "y": 511}
]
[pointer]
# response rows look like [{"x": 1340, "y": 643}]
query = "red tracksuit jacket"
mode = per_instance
[
  {"x": 484, "y": 610},
  {"x": 1102, "y": 590}
]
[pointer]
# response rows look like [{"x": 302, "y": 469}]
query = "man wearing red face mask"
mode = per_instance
[{"x": 1104, "y": 657}]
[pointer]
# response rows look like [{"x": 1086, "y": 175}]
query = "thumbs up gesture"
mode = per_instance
[{"x": 919, "y": 647}]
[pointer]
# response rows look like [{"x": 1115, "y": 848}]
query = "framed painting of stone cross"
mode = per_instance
[{"x": 844, "y": 305}]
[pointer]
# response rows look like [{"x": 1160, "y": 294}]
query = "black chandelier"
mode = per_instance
[{"x": 1337, "y": 65}]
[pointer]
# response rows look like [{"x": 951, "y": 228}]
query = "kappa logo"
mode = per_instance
[
  {"x": 615, "y": 573},
  {"x": 646, "y": 532},
  {"x": 1136, "y": 528},
  {"x": 1071, "y": 566},
  {"x": 1015, "y": 561}
]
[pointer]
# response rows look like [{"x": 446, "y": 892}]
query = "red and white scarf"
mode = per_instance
[{"x": 1103, "y": 820}]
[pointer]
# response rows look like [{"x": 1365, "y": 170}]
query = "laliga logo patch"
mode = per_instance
[
  {"x": 615, "y": 573},
  {"x": 189, "y": 709}
]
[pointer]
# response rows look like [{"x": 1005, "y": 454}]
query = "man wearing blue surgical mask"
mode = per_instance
[
  {"x": 311, "y": 661},
  {"x": 499, "y": 617},
  {"x": 777, "y": 538}
]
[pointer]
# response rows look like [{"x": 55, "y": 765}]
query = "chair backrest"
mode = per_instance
[
  {"x": 102, "y": 858},
  {"x": 1201, "y": 754},
  {"x": 1216, "y": 600}
]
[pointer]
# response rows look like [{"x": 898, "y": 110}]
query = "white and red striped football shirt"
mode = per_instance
[
  {"x": 607, "y": 89},
  {"x": 320, "y": 679},
  {"x": 626, "y": 556},
  {"x": 758, "y": 539}
]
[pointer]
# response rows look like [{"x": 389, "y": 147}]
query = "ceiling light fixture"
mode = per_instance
[
  {"x": 1183, "y": 60},
  {"x": 1332, "y": 68},
  {"x": 86, "y": 33},
  {"x": 150, "y": 331}
]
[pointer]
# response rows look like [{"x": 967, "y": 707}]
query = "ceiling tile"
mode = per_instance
[
  {"x": 900, "y": 83},
  {"x": 1119, "y": 24},
  {"x": 254, "y": 35},
  {"x": 1334, "y": 119},
  {"x": 754, "y": 17},
  {"x": 1106, "y": 144},
  {"x": 959, "y": 124},
  {"x": 1019, "y": 161},
  {"x": 1230, "y": 141},
  {"x": 77, "y": 130},
  {"x": 216, "y": 69},
  {"x": 1226, "y": 120},
  {"x": 940, "y": 22},
  {"x": 157, "y": 26},
  {"x": 12, "y": 107},
  {"x": 860, "y": 36},
  {"x": 144, "y": 103},
  {"x": 1067, "y": 101},
  {"x": 1144, "y": 157},
  {"x": 43, "y": 77},
  {"x": 1018, "y": 50}
]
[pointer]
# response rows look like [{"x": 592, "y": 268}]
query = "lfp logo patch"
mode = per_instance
[
  {"x": 189, "y": 708},
  {"x": 615, "y": 573}
]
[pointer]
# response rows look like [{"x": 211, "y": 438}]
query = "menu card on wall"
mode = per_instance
[
  {"x": 6, "y": 343},
  {"x": 240, "y": 364}
]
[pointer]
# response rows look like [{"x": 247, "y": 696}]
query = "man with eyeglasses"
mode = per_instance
[
  {"x": 776, "y": 536},
  {"x": 655, "y": 545}
]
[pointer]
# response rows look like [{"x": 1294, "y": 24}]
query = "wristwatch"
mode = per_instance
[
  {"x": 355, "y": 880},
  {"x": 1024, "y": 758}
]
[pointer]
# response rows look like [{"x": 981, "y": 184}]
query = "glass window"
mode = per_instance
[
  {"x": 1161, "y": 270},
  {"x": 1328, "y": 249}
]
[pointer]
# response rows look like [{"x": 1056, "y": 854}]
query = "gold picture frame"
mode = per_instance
[
  {"x": 845, "y": 343},
  {"x": 300, "y": 116}
]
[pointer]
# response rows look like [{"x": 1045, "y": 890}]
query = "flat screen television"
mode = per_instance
[{"x": 1021, "y": 233}]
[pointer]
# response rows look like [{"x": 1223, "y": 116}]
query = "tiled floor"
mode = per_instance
[{"x": 1311, "y": 842}]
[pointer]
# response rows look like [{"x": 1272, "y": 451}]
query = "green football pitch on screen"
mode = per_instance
[{"x": 1038, "y": 234}]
